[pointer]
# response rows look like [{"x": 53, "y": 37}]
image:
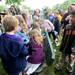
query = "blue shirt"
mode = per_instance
[{"x": 23, "y": 36}]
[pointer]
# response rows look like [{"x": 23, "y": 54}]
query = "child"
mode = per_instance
[
  {"x": 22, "y": 29},
  {"x": 22, "y": 25},
  {"x": 13, "y": 52},
  {"x": 36, "y": 56},
  {"x": 37, "y": 25}
]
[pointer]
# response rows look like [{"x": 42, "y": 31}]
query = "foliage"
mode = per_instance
[
  {"x": 2, "y": 8},
  {"x": 46, "y": 9},
  {"x": 63, "y": 6},
  {"x": 14, "y": 2}
]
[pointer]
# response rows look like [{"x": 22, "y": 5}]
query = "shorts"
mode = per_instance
[{"x": 31, "y": 68}]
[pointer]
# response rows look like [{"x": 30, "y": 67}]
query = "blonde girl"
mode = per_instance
[
  {"x": 36, "y": 54},
  {"x": 22, "y": 23},
  {"x": 22, "y": 29}
]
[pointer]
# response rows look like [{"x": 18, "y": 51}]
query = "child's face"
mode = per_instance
[{"x": 37, "y": 12}]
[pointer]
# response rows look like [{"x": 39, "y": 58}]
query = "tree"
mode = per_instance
[
  {"x": 64, "y": 5},
  {"x": 14, "y": 2}
]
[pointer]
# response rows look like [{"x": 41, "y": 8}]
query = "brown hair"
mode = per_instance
[
  {"x": 22, "y": 23},
  {"x": 36, "y": 11},
  {"x": 9, "y": 23}
]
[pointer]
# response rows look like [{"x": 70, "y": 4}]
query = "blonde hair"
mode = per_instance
[
  {"x": 22, "y": 23},
  {"x": 35, "y": 33},
  {"x": 9, "y": 23}
]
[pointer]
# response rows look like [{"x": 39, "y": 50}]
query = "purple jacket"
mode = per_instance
[{"x": 36, "y": 53}]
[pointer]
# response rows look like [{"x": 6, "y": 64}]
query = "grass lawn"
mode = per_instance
[
  {"x": 51, "y": 68},
  {"x": 2, "y": 71}
]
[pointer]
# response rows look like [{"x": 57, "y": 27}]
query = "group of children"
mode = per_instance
[
  {"x": 21, "y": 51},
  {"x": 21, "y": 47}
]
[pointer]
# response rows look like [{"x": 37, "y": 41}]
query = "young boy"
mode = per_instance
[{"x": 13, "y": 52}]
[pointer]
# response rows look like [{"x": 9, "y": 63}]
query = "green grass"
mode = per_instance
[
  {"x": 2, "y": 71},
  {"x": 51, "y": 68}
]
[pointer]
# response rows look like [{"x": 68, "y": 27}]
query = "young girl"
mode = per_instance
[
  {"x": 22, "y": 29},
  {"x": 37, "y": 25},
  {"x": 36, "y": 54},
  {"x": 22, "y": 25}
]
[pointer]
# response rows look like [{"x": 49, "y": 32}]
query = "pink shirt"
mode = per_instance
[{"x": 48, "y": 26}]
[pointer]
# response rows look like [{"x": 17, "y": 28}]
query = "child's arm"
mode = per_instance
[{"x": 24, "y": 50}]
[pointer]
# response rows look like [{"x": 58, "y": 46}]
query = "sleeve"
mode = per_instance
[
  {"x": 48, "y": 25},
  {"x": 24, "y": 49}
]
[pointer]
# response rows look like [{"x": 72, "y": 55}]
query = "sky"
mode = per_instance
[
  {"x": 42, "y": 3},
  {"x": 34, "y": 4}
]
